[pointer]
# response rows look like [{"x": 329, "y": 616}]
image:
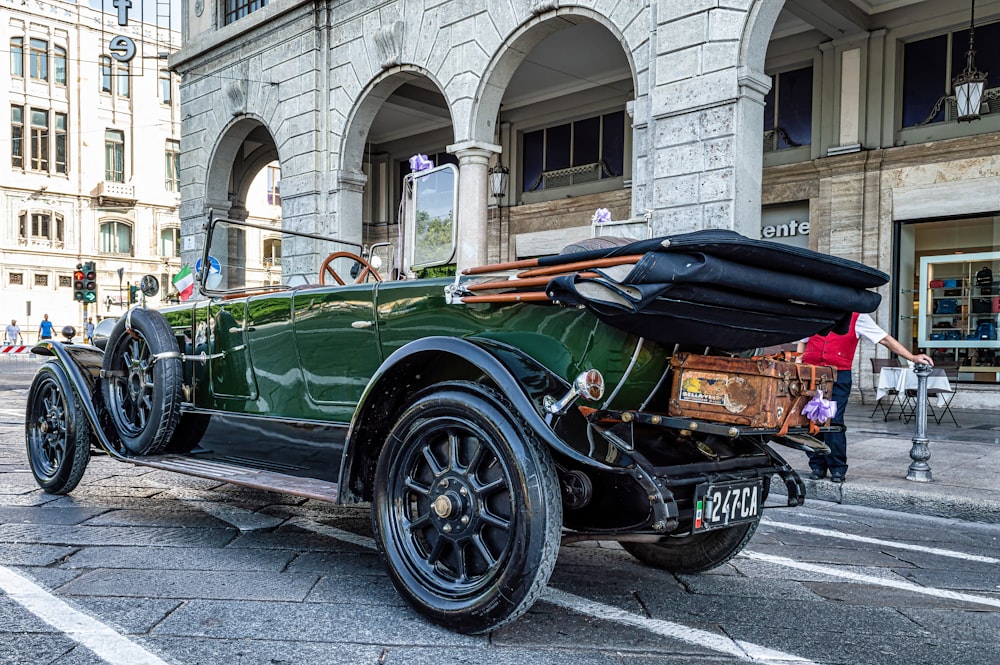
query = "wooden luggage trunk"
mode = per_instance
[{"x": 754, "y": 392}]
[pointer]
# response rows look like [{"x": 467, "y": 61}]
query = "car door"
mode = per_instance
[
  {"x": 336, "y": 339},
  {"x": 230, "y": 367}
]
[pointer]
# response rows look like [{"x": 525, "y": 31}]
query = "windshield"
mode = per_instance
[{"x": 245, "y": 256}]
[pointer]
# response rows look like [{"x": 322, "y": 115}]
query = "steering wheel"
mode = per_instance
[{"x": 366, "y": 269}]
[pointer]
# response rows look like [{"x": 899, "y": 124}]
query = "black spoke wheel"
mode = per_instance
[
  {"x": 56, "y": 431},
  {"x": 694, "y": 552},
  {"x": 142, "y": 389},
  {"x": 467, "y": 512}
]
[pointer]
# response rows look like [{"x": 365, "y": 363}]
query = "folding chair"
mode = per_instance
[
  {"x": 946, "y": 396},
  {"x": 892, "y": 395},
  {"x": 934, "y": 393}
]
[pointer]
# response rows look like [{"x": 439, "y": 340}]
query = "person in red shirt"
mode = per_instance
[{"x": 839, "y": 350}]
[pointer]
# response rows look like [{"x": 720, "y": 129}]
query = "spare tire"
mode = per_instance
[{"x": 143, "y": 389}]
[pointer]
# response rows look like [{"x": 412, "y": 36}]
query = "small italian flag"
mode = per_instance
[{"x": 184, "y": 282}]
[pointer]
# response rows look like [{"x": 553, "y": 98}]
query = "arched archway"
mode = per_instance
[
  {"x": 401, "y": 113},
  {"x": 243, "y": 149},
  {"x": 558, "y": 98},
  {"x": 241, "y": 154}
]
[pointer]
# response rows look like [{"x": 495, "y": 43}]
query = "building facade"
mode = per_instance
[
  {"x": 92, "y": 161},
  {"x": 829, "y": 124}
]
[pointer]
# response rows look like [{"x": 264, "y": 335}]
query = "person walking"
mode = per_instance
[
  {"x": 839, "y": 350},
  {"x": 88, "y": 331},
  {"x": 13, "y": 333},
  {"x": 45, "y": 328}
]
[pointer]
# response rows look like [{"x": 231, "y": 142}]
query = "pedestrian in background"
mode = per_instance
[
  {"x": 13, "y": 333},
  {"x": 839, "y": 350},
  {"x": 88, "y": 331},
  {"x": 45, "y": 328}
]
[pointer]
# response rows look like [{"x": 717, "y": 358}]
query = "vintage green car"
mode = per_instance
[{"x": 487, "y": 418}]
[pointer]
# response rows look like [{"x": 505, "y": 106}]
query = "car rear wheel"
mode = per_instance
[
  {"x": 56, "y": 431},
  {"x": 142, "y": 388},
  {"x": 466, "y": 512},
  {"x": 694, "y": 552}
]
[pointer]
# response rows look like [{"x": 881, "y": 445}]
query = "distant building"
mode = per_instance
[{"x": 90, "y": 161}]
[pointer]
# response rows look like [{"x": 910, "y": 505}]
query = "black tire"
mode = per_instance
[
  {"x": 188, "y": 433},
  {"x": 466, "y": 512},
  {"x": 142, "y": 393},
  {"x": 56, "y": 431},
  {"x": 694, "y": 553}
]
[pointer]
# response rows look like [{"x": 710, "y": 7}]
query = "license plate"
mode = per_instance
[{"x": 724, "y": 504}]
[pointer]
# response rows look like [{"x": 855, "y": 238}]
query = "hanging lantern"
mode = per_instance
[{"x": 969, "y": 85}]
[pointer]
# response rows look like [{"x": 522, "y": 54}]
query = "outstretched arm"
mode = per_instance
[{"x": 893, "y": 345}]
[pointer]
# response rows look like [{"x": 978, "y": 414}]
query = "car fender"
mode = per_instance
[
  {"x": 82, "y": 364},
  {"x": 521, "y": 379}
]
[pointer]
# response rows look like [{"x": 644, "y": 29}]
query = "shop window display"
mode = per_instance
[{"x": 953, "y": 310}]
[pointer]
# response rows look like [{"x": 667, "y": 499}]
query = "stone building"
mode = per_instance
[{"x": 831, "y": 123}]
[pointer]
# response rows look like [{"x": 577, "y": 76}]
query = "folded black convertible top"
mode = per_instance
[{"x": 718, "y": 288}]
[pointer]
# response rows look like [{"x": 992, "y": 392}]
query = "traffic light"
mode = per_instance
[
  {"x": 89, "y": 282},
  {"x": 79, "y": 283},
  {"x": 133, "y": 294}
]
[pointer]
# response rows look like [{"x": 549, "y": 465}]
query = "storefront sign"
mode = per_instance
[
  {"x": 787, "y": 230},
  {"x": 786, "y": 223}
]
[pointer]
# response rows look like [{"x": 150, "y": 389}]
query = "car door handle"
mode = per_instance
[{"x": 362, "y": 324}]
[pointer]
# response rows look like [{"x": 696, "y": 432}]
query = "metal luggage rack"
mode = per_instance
[{"x": 796, "y": 437}]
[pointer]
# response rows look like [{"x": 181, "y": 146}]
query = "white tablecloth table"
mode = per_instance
[{"x": 901, "y": 379}]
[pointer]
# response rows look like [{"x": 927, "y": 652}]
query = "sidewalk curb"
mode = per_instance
[{"x": 933, "y": 503}]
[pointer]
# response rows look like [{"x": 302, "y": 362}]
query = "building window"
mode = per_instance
[
  {"x": 575, "y": 152},
  {"x": 105, "y": 65},
  {"x": 17, "y": 136},
  {"x": 116, "y": 237},
  {"x": 124, "y": 82},
  {"x": 166, "y": 87},
  {"x": 59, "y": 65},
  {"x": 41, "y": 228},
  {"x": 38, "y": 59},
  {"x": 172, "y": 166},
  {"x": 65, "y": 281},
  {"x": 16, "y": 278},
  {"x": 17, "y": 57},
  {"x": 170, "y": 242},
  {"x": 61, "y": 166},
  {"x": 929, "y": 65},
  {"x": 39, "y": 140},
  {"x": 272, "y": 251},
  {"x": 41, "y": 279},
  {"x": 788, "y": 110},
  {"x": 114, "y": 155},
  {"x": 237, "y": 9},
  {"x": 274, "y": 185}
]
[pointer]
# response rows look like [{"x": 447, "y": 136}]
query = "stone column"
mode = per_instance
[{"x": 473, "y": 194}]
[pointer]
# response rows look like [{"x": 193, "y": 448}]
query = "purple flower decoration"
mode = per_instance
[
  {"x": 420, "y": 163},
  {"x": 601, "y": 215},
  {"x": 819, "y": 410}
]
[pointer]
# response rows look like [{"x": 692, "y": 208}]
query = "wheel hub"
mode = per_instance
[
  {"x": 452, "y": 505},
  {"x": 135, "y": 380}
]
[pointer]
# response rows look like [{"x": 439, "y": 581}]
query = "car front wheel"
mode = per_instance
[
  {"x": 466, "y": 512},
  {"x": 56, "y": 431}
]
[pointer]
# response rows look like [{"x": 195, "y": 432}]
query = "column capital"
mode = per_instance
[
  {"x": 353, "y": 181},
  {"x": 474, "y": 151}
]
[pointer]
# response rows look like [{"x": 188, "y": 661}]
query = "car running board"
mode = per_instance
[{"x": 238, "y": 475}]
